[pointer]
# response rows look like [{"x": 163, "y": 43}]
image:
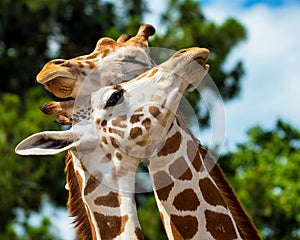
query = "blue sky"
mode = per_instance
[
  {"x": 271, "y": 54},
  {"x": 251, "y": 3}
]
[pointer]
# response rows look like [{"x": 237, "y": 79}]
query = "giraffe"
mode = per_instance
[
  {"x": 235, "y": 216},
  {"x": 194, "y": 199},
  {"x": 96, "y": 144},
  {"x": 111, "y": 61}
]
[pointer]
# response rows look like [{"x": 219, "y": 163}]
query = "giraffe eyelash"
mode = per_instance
[{"x": 115, "y": 98}]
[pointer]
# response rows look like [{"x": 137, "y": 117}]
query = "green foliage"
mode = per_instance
[
  {"x": 24, "y": 179},
  {"x": 150, "y": 220},
  {"x": 265, "y": 172},
  {"x": 41, "y": 232}
]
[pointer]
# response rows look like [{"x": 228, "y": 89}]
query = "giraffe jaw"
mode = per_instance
[{"x": 202, "y": 61}]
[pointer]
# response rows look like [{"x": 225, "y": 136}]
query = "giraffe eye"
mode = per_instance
[{"x": 114, "y": 99}]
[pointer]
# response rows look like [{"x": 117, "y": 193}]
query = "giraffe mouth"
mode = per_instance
[
  {"x": 60, "y": 86},
  {"x": 202, "y": 62},
  {"x": 58, "y": 80}
]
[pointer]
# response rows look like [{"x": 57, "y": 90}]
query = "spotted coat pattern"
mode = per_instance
[{"x": 184, "y": 220}]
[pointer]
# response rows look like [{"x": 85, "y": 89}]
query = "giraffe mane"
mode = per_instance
[
  {"x": 245, "y": 225},
  {"x": 244, "y": 222},
  {"x": 75, "y": 203}
]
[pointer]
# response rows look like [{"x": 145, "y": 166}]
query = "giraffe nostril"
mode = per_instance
[{"x": 58, "y": 61}]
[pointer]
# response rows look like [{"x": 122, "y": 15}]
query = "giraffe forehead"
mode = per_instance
[{"x": 103, "y": 54}]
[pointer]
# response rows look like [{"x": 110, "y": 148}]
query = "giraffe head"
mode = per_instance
[
  {"x": 131, "y": 118},
  {"x": 135, "y": 116},
  {"x": 63, "y": 78}
]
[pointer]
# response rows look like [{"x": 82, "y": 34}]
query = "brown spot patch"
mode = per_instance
[
  {"x": 112, "y": 199},
  {"x": 135, "y": 118},
  {"x": 91, "y": 184},
  {"x": 80, "y": 64},
  {"x": 114, "y": 142},
  {"x": 163, "y": 185},
  {"x": 186, "y": 201},
  {"x": 116, "y": 131},
  {"x": 92, "y": 56},
  {"x": 219, "y": 225},
  {"x": 135, "y": 132},
  {"x": 138, "y": 233},
  {"x": 184, "y": 227},
  {"x": 180, "y": 170},
  {"x": 119, "y": 156},
  {"x": 142, "y": 143},
  {"x": 146, "y": 123},
  {"x": 98, "y": 120},
  {"x": 210, "y": 193},
  {"x": 154, "y": 111},
  {"x": 105, "y": 53},
  {"x": 194, "y": 155},
  {"x": 172, "y": 144},
  {"x": 104, "y": 140},
  {"x": 118, "y": 121},
  {"x": 110, "y": 226},
  {"x": 91, "y": 64},
  {"x": 152, "y": 73},
  {"x": 104, "y": 123},
  {"x": 108, "y": 156},
  {"x": 139, "y": 109}
]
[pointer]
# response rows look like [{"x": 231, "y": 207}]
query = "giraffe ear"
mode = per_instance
[{"x": 47, "y": 143}]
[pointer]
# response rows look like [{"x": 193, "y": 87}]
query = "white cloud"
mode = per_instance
[
  {"x": 156, "y": 8},
  {"x": 271, "y": 55}
]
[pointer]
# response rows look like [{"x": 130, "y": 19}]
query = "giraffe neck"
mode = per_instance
[
  {"x": 194, "y": 199},
  {"x": 102, "y": 201}
]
